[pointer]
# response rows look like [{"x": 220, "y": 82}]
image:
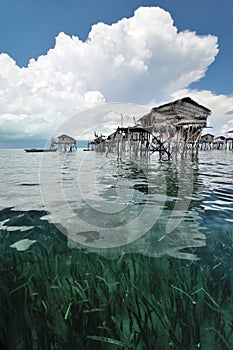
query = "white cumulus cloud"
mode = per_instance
[{"x": 143, "y": 59}]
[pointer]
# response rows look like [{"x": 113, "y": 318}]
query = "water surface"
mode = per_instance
[{"x": 160, "y": 232}]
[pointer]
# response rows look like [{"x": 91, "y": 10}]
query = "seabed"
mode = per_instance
[{"x": 53, "y": 297}]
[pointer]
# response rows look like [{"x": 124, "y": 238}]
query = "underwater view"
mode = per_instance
[{"x": 105, "y": 253}]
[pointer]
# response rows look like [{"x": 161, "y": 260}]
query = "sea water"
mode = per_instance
[{"x": 157, "y": 235}]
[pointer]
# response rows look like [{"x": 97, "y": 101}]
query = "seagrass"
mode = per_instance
[{"x": 53, "y": 297}]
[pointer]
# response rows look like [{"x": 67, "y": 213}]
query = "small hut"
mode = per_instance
[
  {"x": 206, "y": 141},
  {"x": 207, "y": 138},
  {"x": 229, "y": 140},
  {"x": 66, "y": 143},
  {"x": 219, "y": 142}
]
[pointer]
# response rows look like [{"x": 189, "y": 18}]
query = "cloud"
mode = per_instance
[
  {"x": 220, "y": 120},
  {"x": 142, "y": 59},
  {"x": 229, "y": 113},
  {"x": 103, "y": 119}
]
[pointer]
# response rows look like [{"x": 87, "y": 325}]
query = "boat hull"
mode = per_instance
[{"x": 30, "y": 150}]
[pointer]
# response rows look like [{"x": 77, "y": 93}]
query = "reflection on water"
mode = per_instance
[{"x": 135, "y": 206}]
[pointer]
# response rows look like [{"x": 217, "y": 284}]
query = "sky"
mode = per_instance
[{"x": 58, "y": 57}]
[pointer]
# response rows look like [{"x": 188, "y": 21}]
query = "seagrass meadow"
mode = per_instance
[{"x": 54, "y": 297}]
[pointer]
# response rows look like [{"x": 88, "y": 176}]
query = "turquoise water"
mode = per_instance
[{"x": 99, "y": 253}]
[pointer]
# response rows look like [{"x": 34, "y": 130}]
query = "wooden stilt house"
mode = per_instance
[
  {"x": 168, "y": 129},
  {"x": 177, "y": 124},
  {"x": 66, "y": 143},
  {"x": 206, "y": 141},
  {"x": 230, "y": 140}
]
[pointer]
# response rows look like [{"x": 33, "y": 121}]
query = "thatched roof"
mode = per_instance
[
  {"x": 208, "y": 134},
  {"x": 65, "y": 139},
  {"x": 180, "y": 112},
  {"x": 176, "y": 104}
]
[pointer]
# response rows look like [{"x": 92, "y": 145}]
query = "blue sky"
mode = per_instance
[{"x": 28, "y": 29}]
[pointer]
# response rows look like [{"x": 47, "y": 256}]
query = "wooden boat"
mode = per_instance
[
  {"x": 51, "y": 148},
  {"x": 40, "y": 150}
]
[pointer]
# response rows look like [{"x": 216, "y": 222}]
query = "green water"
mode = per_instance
[{"x": 160, "y": 291}]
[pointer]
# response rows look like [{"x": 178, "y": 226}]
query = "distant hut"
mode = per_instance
[
  {"x": 206, "y": 141},
  {"x": 229, "y": 139},
  {"x": 207, "y": 138},
  {"x": 98, "y": 142},
  {"x": 219, "y": 142},
  {"x": 66, "y": 143}
]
